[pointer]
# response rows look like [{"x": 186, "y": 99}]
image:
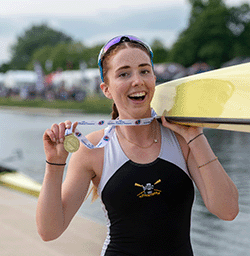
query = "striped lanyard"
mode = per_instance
[{"x": 109, "y": 130}]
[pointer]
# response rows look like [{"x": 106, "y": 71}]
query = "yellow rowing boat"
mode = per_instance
[
  {"x": 216, "y": 99},
  {"x": 20, "y": 182}
]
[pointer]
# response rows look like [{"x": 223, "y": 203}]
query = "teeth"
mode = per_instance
[{"x": 137, "y": 94}]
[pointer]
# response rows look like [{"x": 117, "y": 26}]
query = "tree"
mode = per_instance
[
  {"x": 207, "y": 38},
  {"x": 160, "y": 51},
  {"x": 33, "y": 39},
  {"x": 212, "y": 34},
  {"x": 239, "y": 24},
  {"x": 65, "y": 56},
  {"x": 4, "y": 67},
  {"x": 42, "y": 55}
]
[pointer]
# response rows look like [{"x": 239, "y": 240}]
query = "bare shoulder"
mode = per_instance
[
  {"x": 85, "y": 152},
  {"x": 89, "y": 160},
  {"x": 95, "y": 137}
]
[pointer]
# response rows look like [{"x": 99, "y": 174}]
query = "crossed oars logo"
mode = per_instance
[{"x": 148, "y": 189}]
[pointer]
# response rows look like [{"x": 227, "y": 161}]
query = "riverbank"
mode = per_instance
[
  {"x": 19, "y": 236},
  {"x": 39, "y": 110},
  {"x": 91, "y": 105}
]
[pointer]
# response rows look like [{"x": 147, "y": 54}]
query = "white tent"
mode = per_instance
[
  {"x": 87, "y": 79},
  {"x": 19, "y": 78},
  {"x": 69, "y": 78}
]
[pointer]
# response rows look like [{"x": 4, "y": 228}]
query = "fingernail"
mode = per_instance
[{"x": 61, "y": 140}]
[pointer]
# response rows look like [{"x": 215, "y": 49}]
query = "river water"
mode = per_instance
[{"x": 21, "y": 149}]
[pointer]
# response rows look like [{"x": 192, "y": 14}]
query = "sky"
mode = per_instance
[{"x": 96, "y": 21}]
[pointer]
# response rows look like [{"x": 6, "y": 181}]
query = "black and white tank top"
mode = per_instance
[{"x": 147, "y": 206}]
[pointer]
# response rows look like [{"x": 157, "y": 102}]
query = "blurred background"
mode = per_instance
[
  {"x": 49, "y": 50},
  {"x": 48, "y": 62}
]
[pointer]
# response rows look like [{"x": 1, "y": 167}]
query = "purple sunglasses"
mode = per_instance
[{"x": 117, "y": 40}]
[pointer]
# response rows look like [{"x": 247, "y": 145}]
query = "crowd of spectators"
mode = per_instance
[{"x": 50, "y": 93}]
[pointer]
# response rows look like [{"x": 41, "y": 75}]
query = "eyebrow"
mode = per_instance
[{"x": 126, "y": 67}]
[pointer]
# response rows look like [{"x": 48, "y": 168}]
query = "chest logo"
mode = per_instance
[{"x": 149, "y": 189}]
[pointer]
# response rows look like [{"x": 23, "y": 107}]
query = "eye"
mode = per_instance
[
  {"x": 123, "y": 74},
  {"x": 145, "y": 71}
]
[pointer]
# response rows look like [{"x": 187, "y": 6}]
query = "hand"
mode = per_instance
[
  {"x": 187, "y": 132},
  {"x": 53, "y": 140}
]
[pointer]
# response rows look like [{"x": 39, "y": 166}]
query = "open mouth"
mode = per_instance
[{"x": 138, "y": 96}]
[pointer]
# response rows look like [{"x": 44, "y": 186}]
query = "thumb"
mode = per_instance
[
  {"x": 173, "y": 126},
  {"x": 166, "y": 122}
]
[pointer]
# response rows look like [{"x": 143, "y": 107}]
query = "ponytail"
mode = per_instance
[
  {"x": 114, "y": 113},
  {"x": 94, "y": 192}
]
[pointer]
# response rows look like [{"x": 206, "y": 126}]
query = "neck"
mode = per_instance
[
  {"x": 135, "y": 115},
  {"x": 139, "y": 135}
]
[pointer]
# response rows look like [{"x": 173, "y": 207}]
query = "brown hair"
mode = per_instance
[
  {"x": 114, "y": 113},
  {"x": 113, "y": 50}
]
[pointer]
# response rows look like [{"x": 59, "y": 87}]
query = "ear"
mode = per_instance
[{"x": 105, "y": 90}]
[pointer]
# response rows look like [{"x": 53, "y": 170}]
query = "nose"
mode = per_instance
[{"x": 137, "y": 80}]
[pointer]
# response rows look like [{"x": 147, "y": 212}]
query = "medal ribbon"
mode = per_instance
[{"x": 108, "y": 131}]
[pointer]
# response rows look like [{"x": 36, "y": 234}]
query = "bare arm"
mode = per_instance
[
  {"x": 58, "y": 203},
  {"x": 218, "y": 191}
]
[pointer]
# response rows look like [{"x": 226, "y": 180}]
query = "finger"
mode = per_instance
[
  {"x": 62, "y": 128},
  {"x": 67, "y": 124},
  {"x": 74, "y": 126},
  {"x": 172, "y": 126},
  {"x": 164, "y": 121},
  {"x": 55, "y": 130},
  {"x": 49, "y": 135}
]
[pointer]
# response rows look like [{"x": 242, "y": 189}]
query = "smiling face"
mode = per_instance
[{"x": 130, "y": 82}]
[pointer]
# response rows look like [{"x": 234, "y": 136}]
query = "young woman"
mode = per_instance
[{"x": 144, "y": 175}]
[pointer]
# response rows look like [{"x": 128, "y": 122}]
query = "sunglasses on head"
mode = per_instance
[{"x": 117, "y": 40}]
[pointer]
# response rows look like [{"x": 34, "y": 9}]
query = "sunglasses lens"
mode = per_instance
[
  {"x": 112, "y": 42},
  {"x": 117, "y": 40}
]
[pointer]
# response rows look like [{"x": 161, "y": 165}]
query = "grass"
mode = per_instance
[{"x": 91, "y": 105}]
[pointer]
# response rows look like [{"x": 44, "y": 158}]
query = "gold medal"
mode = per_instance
[{"x": 71, "y": 143}]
